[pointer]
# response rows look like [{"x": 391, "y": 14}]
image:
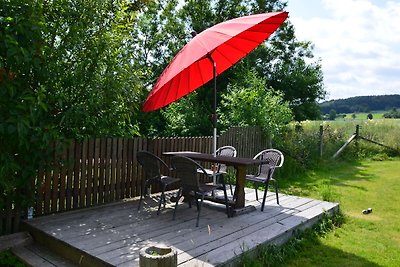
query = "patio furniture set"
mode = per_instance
[{"x": 185, "y": 169}]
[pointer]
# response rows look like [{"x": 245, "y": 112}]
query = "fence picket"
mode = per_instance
[
  {"x": 63, "y": 178},
  {"x": 96, "y": 171},
  {"x": 103, "y": 159},
  {"x": 83, "y": 174},
  {"x": 96, "y": 162},
  {"x": 39, "y": 191},
  {"x": 90, "y": 172}
]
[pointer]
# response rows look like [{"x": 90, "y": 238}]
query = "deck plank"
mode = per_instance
[
  {"x": 31, "y": 258},
  {"x": 236, "y": 237},
  {"x": 224, "y": 230},
  {"x": 115, "y": 233}
]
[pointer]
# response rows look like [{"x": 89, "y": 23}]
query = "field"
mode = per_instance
[
  {"x": 363, "y": 240},
  {"x": 364, "y": 176},
  {"x": 362, "y": 115}
]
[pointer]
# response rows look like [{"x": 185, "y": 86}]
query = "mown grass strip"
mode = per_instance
[{"x": 364, "y": 239}]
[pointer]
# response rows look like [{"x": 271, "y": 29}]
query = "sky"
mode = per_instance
[{"x": 358, "y": 42}]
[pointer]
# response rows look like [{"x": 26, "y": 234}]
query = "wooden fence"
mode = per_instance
[{"x": 97, "y": 171}]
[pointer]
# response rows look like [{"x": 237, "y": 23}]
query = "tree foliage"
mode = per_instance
[
  {"x": 22, "y": 98},
  {"x": 250, "y": 104},
  {"x": 393, "y": 114},
  {"x": 362, "y": 104},
  {"x": 287, "y": 63},
  {"x": 157, "y": 36},
  {"x": 332, "y": 114},
  {"x": 77, "y": 68},
  {"x": 96, "y": 95},
  {"x": 64, "y": 73}
]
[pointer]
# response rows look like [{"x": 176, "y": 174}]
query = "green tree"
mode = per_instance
[
  {"x": 249, "y": 104},
  {"x": 392, "y": 114},
  {"x": 91, "y": 81},
  {"x": 64, "y": 73},
  {"x": 332, "y": 114},
  {"x": 287, "y": 63},
  {"x": 290, "y": 66},
  {"x": 24, "y": 130},
  {"x": 157, "y": 35}
]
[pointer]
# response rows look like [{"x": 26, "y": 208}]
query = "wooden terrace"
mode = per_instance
[{"x": 113, "y": 234}]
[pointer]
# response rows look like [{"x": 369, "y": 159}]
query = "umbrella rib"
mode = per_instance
[
  {"x": 247, "y": 39},
  {"x": 179, "y": 83},
  {"x": 235, "y": 48},
  {"x": 201, "y": 75},
  {"x": 241, "y": 50},
  {"x": 223, "y": 55}
]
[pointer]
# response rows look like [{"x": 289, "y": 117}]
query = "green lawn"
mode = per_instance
[
  {"x": 8, "y": 259},
  {"x": 363, "y": 240}
]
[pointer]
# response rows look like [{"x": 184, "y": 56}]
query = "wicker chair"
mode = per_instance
[
  {"x": 266, "y": 171},
  {"x": 221, "y": 169},
  {"x": 191, "y": 189},
  {"x": 152, "y": 171}
]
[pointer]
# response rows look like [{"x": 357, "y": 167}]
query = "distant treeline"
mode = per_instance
[{"x": 361, "y": 104}]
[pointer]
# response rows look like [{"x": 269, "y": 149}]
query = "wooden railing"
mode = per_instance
[{"x": 97, "y": 171}]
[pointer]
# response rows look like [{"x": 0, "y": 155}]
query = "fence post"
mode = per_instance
[
  {"x": 321, "y": 140},
  {"x": 357, "y": 134}
]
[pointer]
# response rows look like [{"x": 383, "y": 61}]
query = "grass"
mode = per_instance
[
  {"x": 363, "y": 115},
  {"x": 363, "y": 240},
  {"x": 8, "y": 259}
]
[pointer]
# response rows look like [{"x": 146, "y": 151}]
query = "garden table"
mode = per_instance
[{"x": 240, "y": 165}]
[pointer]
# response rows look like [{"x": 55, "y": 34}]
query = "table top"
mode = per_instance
[{"x": 232, "y": 161}]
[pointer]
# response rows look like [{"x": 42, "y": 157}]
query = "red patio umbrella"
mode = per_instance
[{"x": 208, "y": 54}]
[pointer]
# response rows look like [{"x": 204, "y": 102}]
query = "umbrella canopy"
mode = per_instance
[{"x": 210, "y": 53}]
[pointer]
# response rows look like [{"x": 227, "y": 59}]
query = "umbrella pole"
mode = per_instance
[{"x": 214, "y": 117}]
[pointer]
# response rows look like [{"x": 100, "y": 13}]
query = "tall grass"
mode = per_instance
[
  {"x": 301, "y": 142},
  {"x": 354, "y": 181}
]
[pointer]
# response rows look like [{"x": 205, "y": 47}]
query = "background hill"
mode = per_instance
[{"x": 361, "y": 104}]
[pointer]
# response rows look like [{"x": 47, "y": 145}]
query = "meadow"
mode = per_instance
[
  {"x": 361, "y": 115},
  {"x": 364, "y": 176}
]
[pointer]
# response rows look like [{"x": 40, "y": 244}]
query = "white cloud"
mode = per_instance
[{"x": 357, "y": 41}]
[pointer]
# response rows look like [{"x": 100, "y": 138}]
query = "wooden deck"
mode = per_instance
[{"x": 112, "y": 235}]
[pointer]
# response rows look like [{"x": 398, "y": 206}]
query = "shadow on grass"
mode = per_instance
[{"x": 295, "y": 181}]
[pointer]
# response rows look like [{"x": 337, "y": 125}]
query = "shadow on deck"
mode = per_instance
[{"x": 113, "y": 234}]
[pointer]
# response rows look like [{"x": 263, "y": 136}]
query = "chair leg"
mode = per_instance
[
  {"x": 276, "y": 191},
  {"x": 162, "y": 197},
  {"x": 226, "y": 197},
  {"x": 197, "y": 202},
  {"x": 199, "y": 210},
  {"x": 178, "y": 196},
  {"x": 228, "y": 210},
  {"x": 256, "y": 187},
  {"x": 142, "y": 194},
  {"x": 230, "y": 184},
  {"x": 265, "y": 196},
  {"x": 189, "y": 200}
]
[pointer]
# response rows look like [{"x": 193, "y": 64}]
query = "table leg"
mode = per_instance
[{"x": 240, "y": 184}]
